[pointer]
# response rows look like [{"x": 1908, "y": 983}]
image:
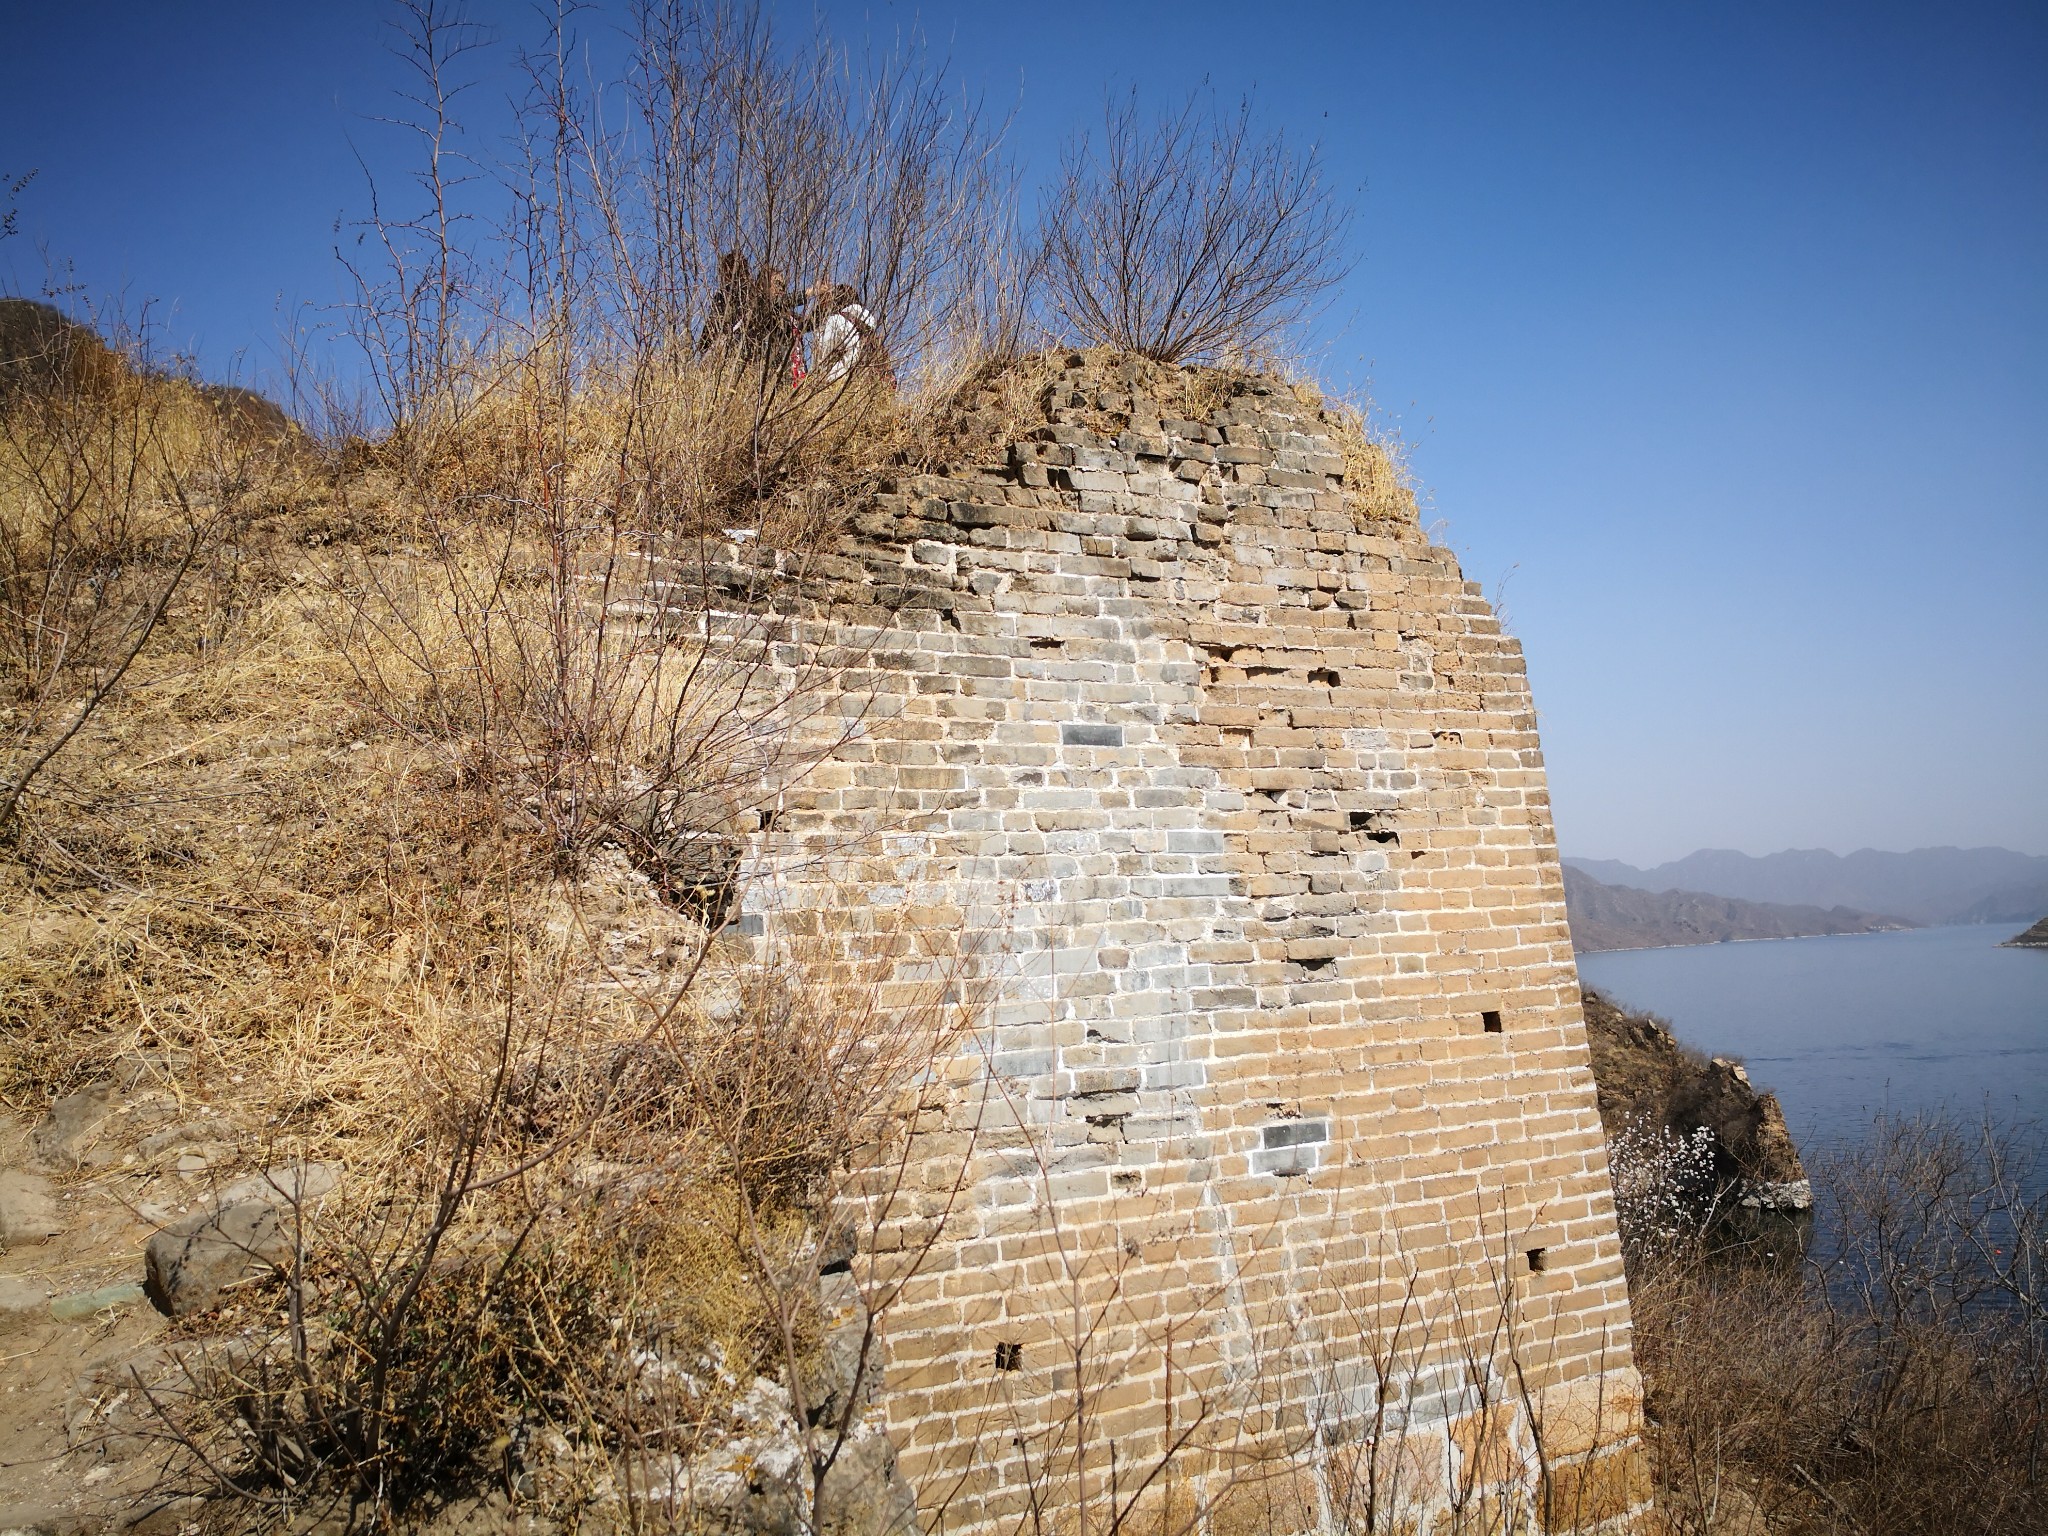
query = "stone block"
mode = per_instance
[
  {"x": 257, "y": 1225},
  {"x": 28, "y": 1209},
  {"x": 1581, "y": 1495},
  {"x": 69, "y": 1136},
  {"x": 24, "y": 1302},
  {"x": 187, "y": 1265}
]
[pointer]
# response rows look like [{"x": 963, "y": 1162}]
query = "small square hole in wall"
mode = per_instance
[
  {"x": 1539, "y": 1260},
  {"x": 1009, "y": 1357},
  {"x": 1489, "y": 1020}
]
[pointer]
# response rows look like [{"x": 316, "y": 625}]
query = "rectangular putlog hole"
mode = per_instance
[
  {"x": 1009, "y": 1357},
  {"x": 1293, "y": 1133},
  {"x": 1083, "y": 733},
  {"x": 1538, "y": 1259},
  {"x": 1489, "y": 1020}
]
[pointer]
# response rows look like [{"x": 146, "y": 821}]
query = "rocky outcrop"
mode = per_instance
[
  {"x": 2035, "y": 937},
  {"x": 759, "y": 1483},
  {"x": 1642, "y": 1074}
]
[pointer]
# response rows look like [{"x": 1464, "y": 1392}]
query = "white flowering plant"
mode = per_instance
[{"x": 1665, "y": 1188}]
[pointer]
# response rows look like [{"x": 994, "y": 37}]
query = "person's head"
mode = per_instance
[
  {"x": 733, "y": 272},
  {"x": 832, "y": 296},
  {"x": 774, "y": 282}
]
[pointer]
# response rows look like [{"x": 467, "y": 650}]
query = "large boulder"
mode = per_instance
[
  {"x": 188, "y": 1264},
  {"x": 2035, "y": 937},
  {"x": 256, "y": 1225}
]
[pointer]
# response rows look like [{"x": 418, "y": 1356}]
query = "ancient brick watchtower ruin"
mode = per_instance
[{"x": 1275, "y": 1169}]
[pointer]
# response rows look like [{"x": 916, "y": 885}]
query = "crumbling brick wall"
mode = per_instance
[{"x": 1278, "y": 1143}]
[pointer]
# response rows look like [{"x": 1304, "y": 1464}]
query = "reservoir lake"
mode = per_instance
[{"x": 1843, "y": 1027}]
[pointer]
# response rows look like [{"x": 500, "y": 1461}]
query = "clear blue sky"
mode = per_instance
[{"x": 1719, "y": 332}]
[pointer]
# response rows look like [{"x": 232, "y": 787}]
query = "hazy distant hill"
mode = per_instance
[
  {"x": 1617, "y": 917},
  {"x": 1928, "y": 885}
]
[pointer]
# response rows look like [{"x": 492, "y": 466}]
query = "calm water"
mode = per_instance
[{"x": 1842, "y": 1027}]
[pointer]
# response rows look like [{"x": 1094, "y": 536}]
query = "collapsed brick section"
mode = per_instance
[{"x": 1227, "y": 786}]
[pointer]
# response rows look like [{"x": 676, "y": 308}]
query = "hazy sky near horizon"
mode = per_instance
[{"x": 1718, "y": 333}]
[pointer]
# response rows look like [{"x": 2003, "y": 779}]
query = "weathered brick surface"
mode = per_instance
[{"x": 1228, "y": 790}]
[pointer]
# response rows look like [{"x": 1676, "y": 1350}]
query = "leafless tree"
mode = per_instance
[{"x": 1189, "y": 237}]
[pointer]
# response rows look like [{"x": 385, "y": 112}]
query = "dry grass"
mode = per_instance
[
  {"x": 667, "y": 439},
  {"x": 398, "y": 846}
]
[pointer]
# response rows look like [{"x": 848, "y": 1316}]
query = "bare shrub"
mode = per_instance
[
  {"x": 1189, "y": 237},
  {"x": 599, "y": 1227},
  {"x": 117, "y": 479},
  {"x": 1895, "y": 1382},
  {"x": 11, "y": 188},
  {"x": 571, "y": 428}
]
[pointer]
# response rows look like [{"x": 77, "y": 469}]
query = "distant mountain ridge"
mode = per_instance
[
  {"x": 1928, "y": 885},
  {"x": 1619, "y": 917}
]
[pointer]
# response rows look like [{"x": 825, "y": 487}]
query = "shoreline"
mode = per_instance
[{"x": 1786, "y": 938}]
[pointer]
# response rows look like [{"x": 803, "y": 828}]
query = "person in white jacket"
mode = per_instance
[{"x": 848, "y": 336}]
